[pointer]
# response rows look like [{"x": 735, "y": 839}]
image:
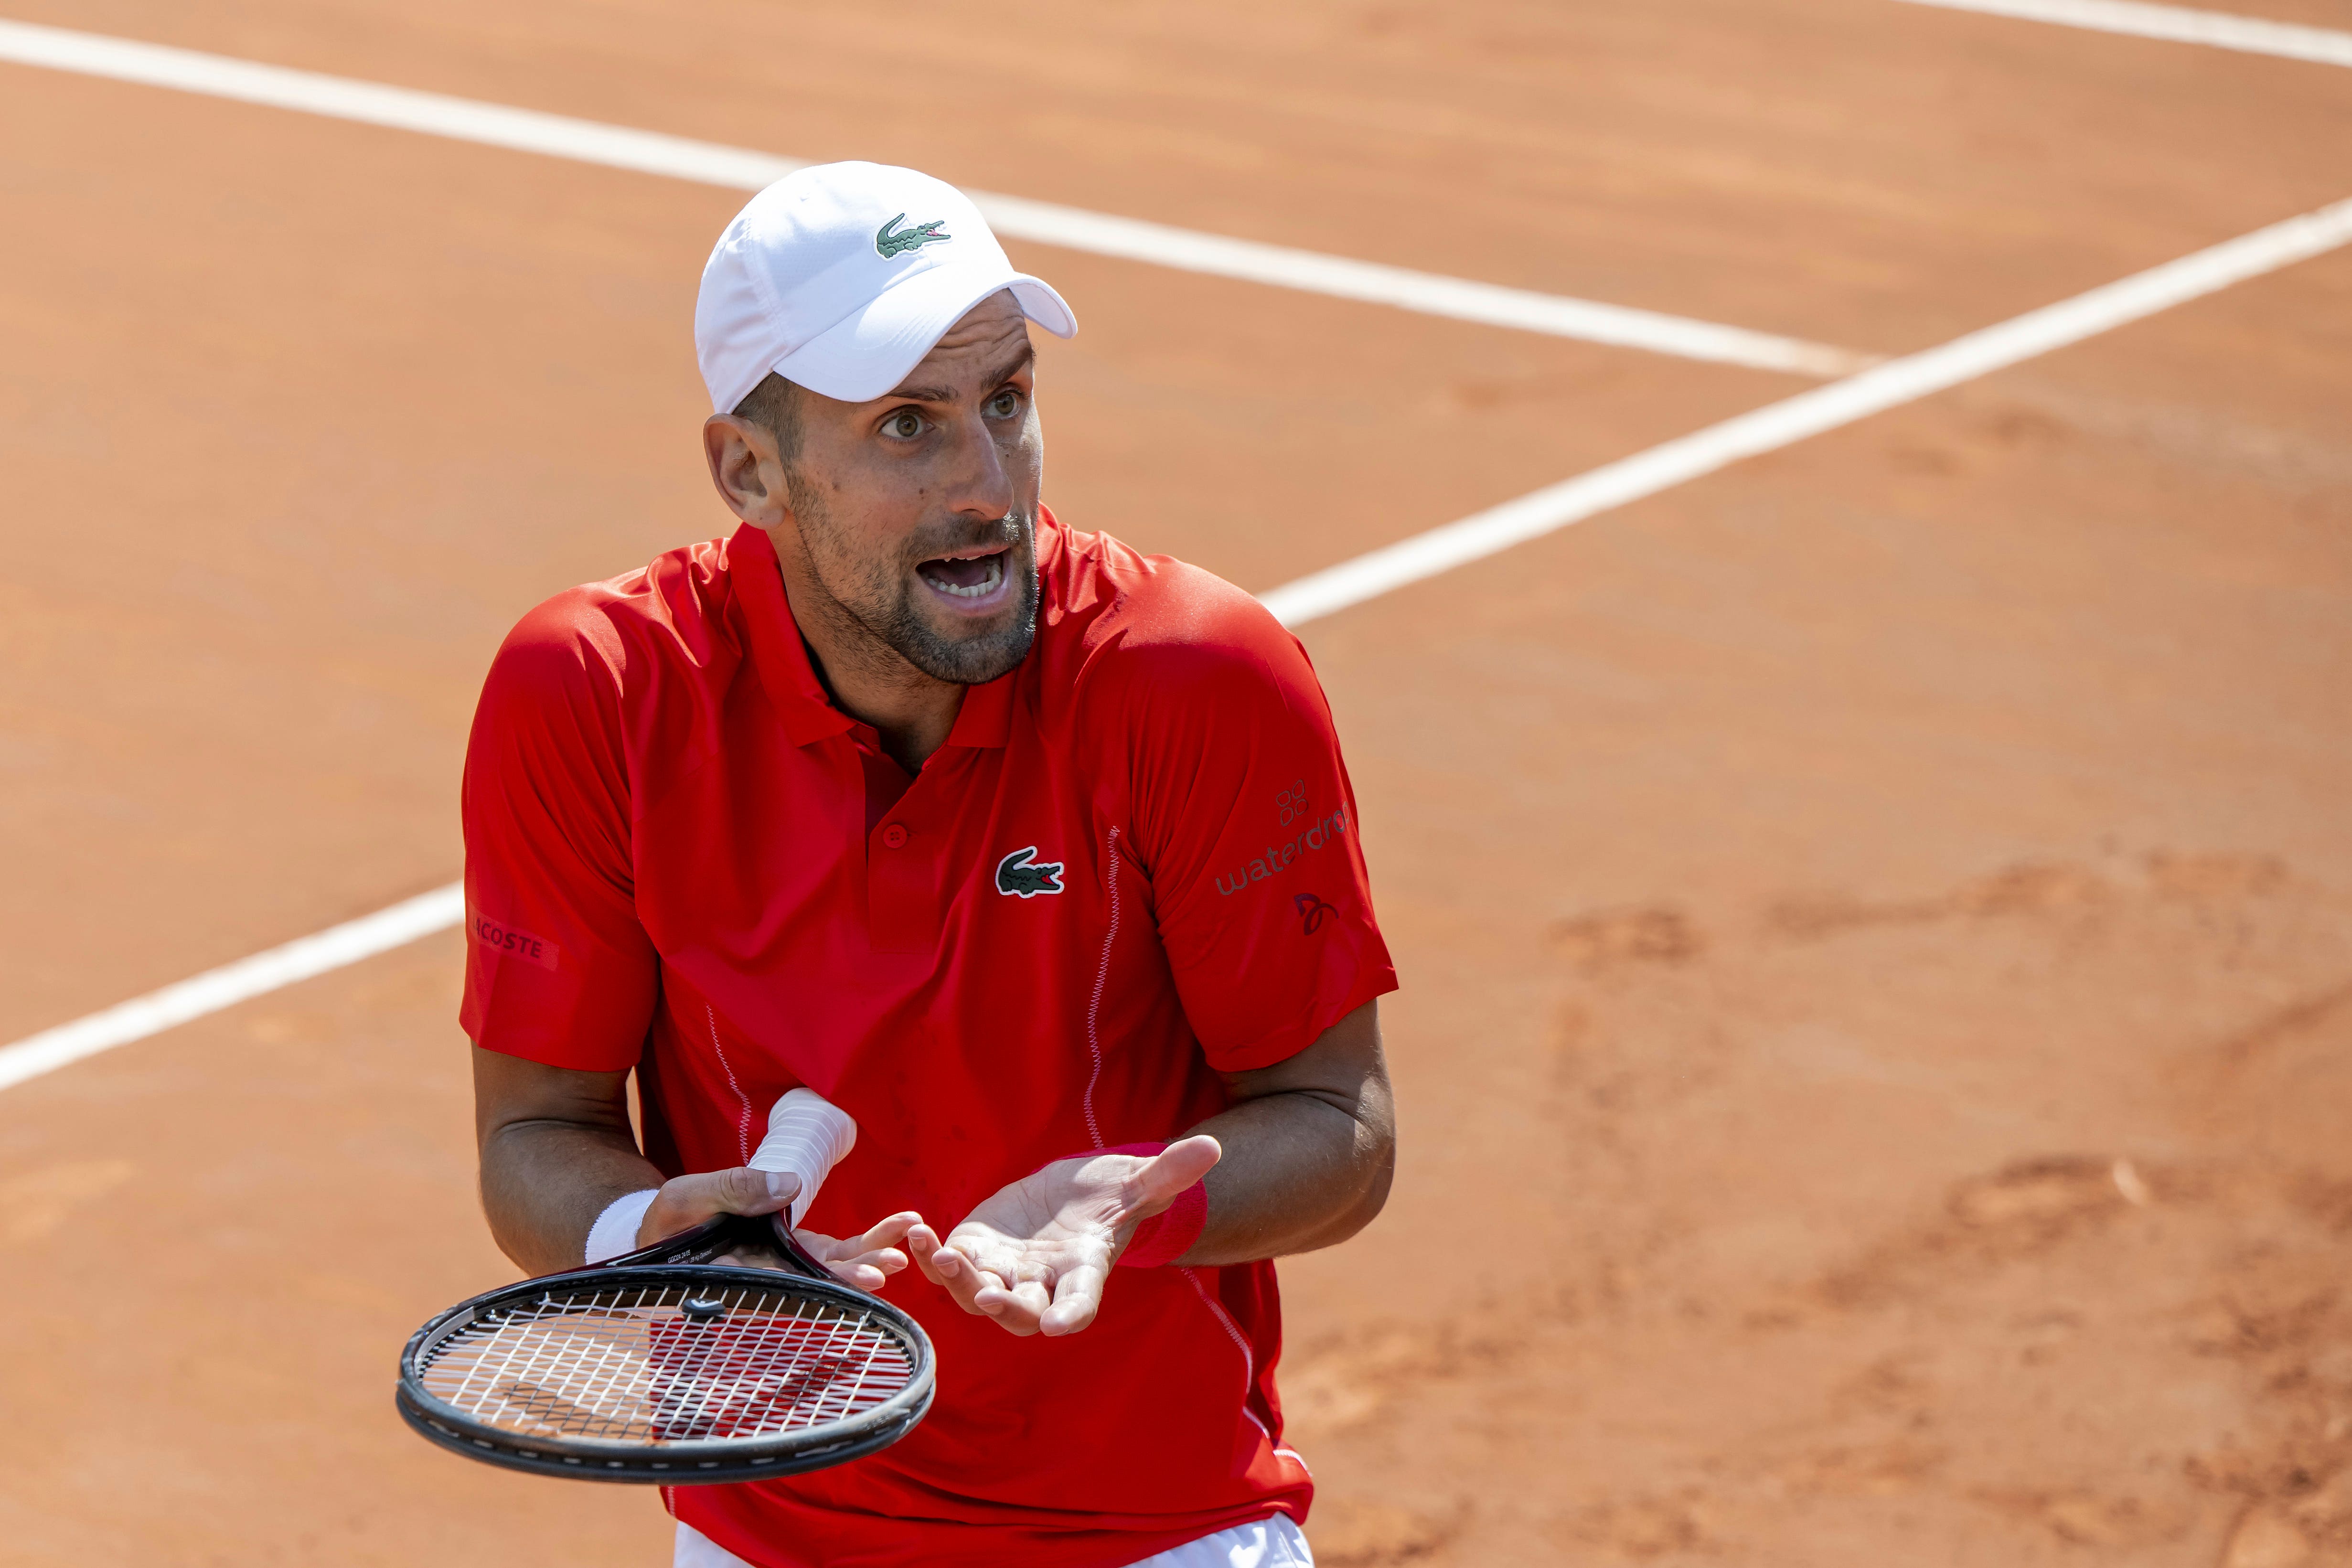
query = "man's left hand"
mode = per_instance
[{"x": 1036, "y": 1255}]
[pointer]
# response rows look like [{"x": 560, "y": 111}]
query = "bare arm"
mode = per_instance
[
  {"x": 1310, "y": 1147},
  {"x": 557, "y": 1149},
  {"x": 1302, "y": 1160}
]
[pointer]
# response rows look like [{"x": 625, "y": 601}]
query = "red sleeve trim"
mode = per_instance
[
  {"x": 1283, "y": 1044},
  {"x": 547, "y": 1050}
]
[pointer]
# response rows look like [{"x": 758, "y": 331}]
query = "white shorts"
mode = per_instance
[{"x": 1274, "y": 1543}]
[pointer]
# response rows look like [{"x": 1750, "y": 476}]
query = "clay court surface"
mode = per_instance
[{"x": 1875, "y": 1050}]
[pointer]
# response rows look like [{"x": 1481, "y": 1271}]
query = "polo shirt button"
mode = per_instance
[{"x": 894, "y": 836}]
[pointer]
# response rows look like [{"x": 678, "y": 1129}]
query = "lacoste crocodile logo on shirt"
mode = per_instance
[
  {"x": 1021, "y": 875},
  {"x": 890, "y": 240}
]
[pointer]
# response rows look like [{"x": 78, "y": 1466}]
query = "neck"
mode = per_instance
[
  {"x": 871, "y": 681},
  {"x": 912, "y": 712}
]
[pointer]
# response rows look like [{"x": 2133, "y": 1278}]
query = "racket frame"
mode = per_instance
[{"x": 679, "y": 1261}]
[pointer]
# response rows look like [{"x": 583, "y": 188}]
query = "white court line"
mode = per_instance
[
  {"x": 1072, "y": 228},
  {"x": 1822, "y": 409},
  {"x": 2173, "y": 24},
  {"x": 233, "y": 983},
  {"x": 1424, "y": 555}
]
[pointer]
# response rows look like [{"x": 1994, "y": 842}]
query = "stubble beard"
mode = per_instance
[{"x": 877, "y": 599}]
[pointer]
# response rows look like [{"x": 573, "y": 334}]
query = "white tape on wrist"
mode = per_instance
[
  {"x": 807, "y": 1135},
  {"x": 615, "y": 1230}
]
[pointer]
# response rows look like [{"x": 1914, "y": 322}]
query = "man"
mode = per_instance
[{"x": 1030, "y": 852}]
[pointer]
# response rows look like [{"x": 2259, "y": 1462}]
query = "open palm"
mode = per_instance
[{"x": 1036, "y": 1254}]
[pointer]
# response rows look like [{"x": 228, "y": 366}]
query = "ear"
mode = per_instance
[{"x": 746, "y": 470}]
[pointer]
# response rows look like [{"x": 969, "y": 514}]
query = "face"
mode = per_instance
[{"x": 908, "y": 524}]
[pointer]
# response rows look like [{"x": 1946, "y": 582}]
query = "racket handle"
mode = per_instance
[
  {"x": 714, "y": 1238},
  {"x": 807, "y": 1135}
]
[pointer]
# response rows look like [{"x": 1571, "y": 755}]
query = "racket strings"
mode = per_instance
[{"x": 631, "y": 1365}]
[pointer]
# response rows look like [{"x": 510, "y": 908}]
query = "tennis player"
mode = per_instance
[{"x": 1034, "y": 855}]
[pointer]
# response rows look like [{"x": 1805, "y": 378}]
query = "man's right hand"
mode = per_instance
[{"x": 684, "y": 1202}]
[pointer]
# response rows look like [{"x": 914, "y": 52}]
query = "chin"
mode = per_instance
[{"x": 956, "y": 649}]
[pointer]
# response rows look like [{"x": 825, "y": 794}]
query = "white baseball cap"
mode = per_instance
[{"x": 842, "y": 276}]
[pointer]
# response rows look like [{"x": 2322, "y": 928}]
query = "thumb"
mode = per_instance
[
  {"x": 1156, "y": 1185},
  {"x": 684, "y": 1202},
  {"x": 744, "y": 1190}
]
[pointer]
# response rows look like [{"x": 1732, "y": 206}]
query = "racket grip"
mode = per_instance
[{"x": 807, "y": 1135}]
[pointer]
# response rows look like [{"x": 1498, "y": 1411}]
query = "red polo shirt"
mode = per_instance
[{"x": 1133, "y": 865}]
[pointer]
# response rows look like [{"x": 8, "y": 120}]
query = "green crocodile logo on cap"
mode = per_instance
[{"x": 889, "y": 240}]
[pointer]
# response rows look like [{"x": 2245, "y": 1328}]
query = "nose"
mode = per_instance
[{"x": 979, "y": 484}]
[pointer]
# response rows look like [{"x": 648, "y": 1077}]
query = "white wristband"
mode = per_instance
[{"x": 615, "y": 1230}]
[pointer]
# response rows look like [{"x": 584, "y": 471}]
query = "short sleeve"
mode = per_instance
[
  {"x": 557, "y": 968},
  {"x": 1246, "y": 823}
]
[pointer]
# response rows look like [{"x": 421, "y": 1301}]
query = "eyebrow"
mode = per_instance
[{"x": 1028, "y": 357}]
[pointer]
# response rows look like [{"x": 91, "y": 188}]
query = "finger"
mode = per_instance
[
  {"x": 868, "y": 1270},
  {"x": 923, "y": 1246},
  {"x": 1016, "y": 1311},
  {"x": 1182, "y": 1164},
  {"x": 1078, "y": 1297},
  {"x": 1156, "y": 1185},
  {"x": 945, "y": 1267},
  {"x": 884, "y": 1235},
  {"x": 989, "y": 1297},
  {"x": 889, "y": 1232},
  {"x": 684, "y": 1202},
  {"x": 988, "y": 1257}
]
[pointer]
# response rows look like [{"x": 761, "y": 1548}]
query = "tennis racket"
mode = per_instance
[{"x": 669, "y": 1367}]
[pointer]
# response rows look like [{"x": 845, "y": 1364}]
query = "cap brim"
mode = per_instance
[{"x": 868, "y": 352}]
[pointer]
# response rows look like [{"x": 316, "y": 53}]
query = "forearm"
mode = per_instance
[
  {"x": 545, "y": 1182},
  {"x": 1300, "y": 1172},
  {"x": 556, "y": 1150}
]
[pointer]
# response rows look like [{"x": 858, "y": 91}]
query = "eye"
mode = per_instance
[
  {"x": 905, "y": 425},
  {"x": 1004, "y": 404}
]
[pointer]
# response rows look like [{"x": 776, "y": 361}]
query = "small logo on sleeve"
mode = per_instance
[
  {"x": 1276, "y": 859},
  {"x": 1021, "y": 875},
  {"x": 890, "y": 240},
  {"x": 1311, "y": 910},
  {"x": 501, "y": 938}
]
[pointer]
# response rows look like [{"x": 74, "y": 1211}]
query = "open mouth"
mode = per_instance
[{"x": 967, "y": 578}]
